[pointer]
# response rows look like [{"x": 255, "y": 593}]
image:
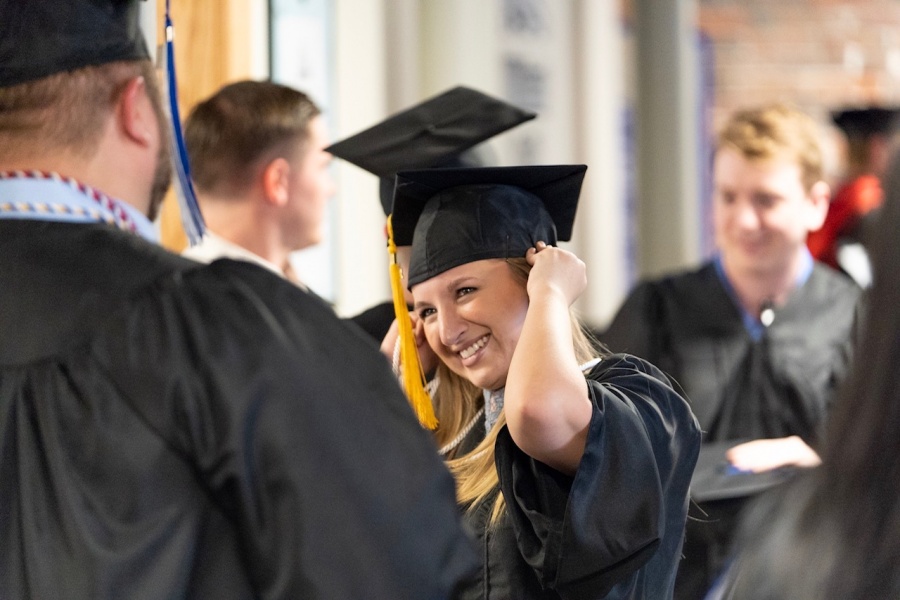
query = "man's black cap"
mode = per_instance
[
  {"x": 41, "y": 37},
  {"x": 433, "y": 133},
  {"x": 456, "y": 216},
  {"x": 863, "y": 122}
]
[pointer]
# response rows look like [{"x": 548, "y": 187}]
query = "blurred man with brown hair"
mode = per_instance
[{"x": 257, "y": 158}]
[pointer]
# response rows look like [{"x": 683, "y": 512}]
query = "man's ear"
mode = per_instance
[
  {"x": 136, "y": 114},
  {"x": 820, "y": 199},
  {"x": 275, "y": 177}
]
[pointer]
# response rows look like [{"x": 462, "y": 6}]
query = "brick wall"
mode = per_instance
[{"x": 819, "y": 54}]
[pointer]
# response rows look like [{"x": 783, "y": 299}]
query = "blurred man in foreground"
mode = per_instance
[{"x": 170, "y": 429}]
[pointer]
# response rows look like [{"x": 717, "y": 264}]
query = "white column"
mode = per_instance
[
  {"x": 404, "y": 48},
  {"x": 667, "y": 126},
  {"x": 604, "y": 226},
  {"x": 358, "y": 242}
]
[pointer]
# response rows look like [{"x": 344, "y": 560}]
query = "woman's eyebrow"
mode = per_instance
[{"x": 455, "y": 283}]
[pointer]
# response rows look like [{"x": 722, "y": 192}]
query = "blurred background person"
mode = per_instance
[
  {"x": 843, "y": 240},
  {"x": 835, "y": 533},
  {"x": 259, "y": 167},
  {"x": 758, "y": 337}
]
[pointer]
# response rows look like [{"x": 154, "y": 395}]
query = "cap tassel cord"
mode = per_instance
[
  {"x": 191, "y": 217},
  {"x": 412, "y": 376}
]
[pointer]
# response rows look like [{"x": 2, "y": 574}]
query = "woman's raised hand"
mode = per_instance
[{"x": 554, "y": 270}]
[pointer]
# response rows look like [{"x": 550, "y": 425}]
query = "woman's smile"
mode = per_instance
[
  {"x": 472, "y": 350},
  {"x": 472, "y": 315}
]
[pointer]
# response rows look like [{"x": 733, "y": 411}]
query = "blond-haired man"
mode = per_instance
[{"x": 759, "y": 336}]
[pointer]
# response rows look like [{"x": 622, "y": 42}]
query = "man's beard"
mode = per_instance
[{"x": 162, "y": 176}]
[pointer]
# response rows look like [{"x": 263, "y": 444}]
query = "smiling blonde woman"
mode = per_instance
[{"x": 572, "y": 471}]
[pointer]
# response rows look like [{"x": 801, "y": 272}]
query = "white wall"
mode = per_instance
[
  {"x": 359, "y": 102},
  {"x": 605, "y": 220}
]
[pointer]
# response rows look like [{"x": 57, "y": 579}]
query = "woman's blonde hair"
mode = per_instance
[{"x": 457, "y": 402}]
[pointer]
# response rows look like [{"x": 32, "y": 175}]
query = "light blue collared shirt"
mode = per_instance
[
  {"x": 55, "y": 198},
  {"x": 752, "y": 324}
]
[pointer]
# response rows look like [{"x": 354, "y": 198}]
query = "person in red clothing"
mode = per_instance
[{"x": 841, "y": 242}]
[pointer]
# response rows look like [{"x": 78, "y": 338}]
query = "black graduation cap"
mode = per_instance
[
  {"x": 716, "y": 479},
  {"x": 434, "y": 133},
  {"x": 42, "y": 37},
  {"x": 455, "y": 216},
  {"x": 863, "y": 122}
]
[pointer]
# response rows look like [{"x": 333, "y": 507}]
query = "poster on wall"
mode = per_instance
[{"x": 300, "y": 43}]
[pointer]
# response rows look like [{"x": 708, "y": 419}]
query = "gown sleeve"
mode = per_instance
[
  {"x": 298, "y": 432},
  {"x": 585, "y": 534}
]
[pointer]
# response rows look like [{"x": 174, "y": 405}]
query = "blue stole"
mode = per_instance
[{"x": 37, "y": 196}]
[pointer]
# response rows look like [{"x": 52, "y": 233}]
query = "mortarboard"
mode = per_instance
[
  {"x": 715, "y": 479},
  {"x": 863, "y": 122},
  {"x": 433, "y": 133},
  {"x": 455, "y": 216},
  {"x": 41, "y": 37}
]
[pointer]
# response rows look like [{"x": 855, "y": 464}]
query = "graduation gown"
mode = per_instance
[
  {"x": 740, "y": 388},
  {"x": 176, "y": 430},
  {"x": 377, "y": 320},
  {"x": 615, "y": 529}
]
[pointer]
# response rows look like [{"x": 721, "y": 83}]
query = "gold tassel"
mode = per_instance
[{"x": 412, "y": 376}]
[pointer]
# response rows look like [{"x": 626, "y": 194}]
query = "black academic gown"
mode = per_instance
[
  {"x": 175, "y": 430},
  {"x": 740, "y": 389},
  {"x": 615, "y": 529},
  {"x": 377, "y": 320}
]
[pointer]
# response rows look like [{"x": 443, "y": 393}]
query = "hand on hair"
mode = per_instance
[{"x": 554, "y": 270}]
